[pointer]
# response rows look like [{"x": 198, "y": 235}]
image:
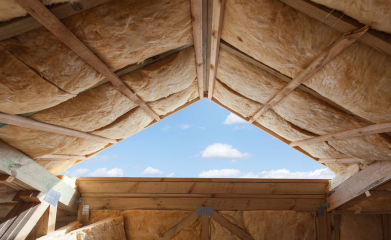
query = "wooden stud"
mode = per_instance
[
  {"x": 386, "y": 227},
  {"x": 197, "y": 17},
  {"x": 368, "y": 130},
  {"x": 178, "y": 227},
  {"x": 373, "y": 38},
  {"x": 339, "y": 160},
  {"x": 337, "y": 224},
  {"x": 205, "y": 231},
  {"x": 47, "y": 222},
  {"x": 36, "y": 9},
  {"x": 83, "y": 219},
  {"x": 326, "y": 56},
  {"x": 321, "y": 227},
  {"x": 60, "y": 157},
  {"x": 217, "y": 23},
  {"x": 231, "y": 227}
]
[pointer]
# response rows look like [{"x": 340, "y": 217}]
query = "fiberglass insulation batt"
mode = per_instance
[{"x": 288, "y": 41}]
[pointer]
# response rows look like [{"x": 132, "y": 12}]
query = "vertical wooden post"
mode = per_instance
[
  {"x": 337, "y": 222},
  {"x": 205, "y": 232},
  {"x": 386, "y": 227},
  {"x": 83, "y": 218},
  {"x": 47, "y": 223},
  {"x": 321, "y": 227}
]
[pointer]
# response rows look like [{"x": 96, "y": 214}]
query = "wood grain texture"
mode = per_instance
[
  {"x": 231, "y": 227},
  {"x": 178, "y": 227},
  {"x": 205, "y": 227}
]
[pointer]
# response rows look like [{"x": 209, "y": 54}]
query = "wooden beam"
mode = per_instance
[
  {"x": 342, "y": 23},
  {"x": 21, "y": 25},
  {"x": 33, "y": 124},
  {"x": 36, "y": 9},
  {"x": 47, "y": 222},
  {"x": 14, "y": 183},
  {"x": 198, "y": 14},
  {"x": 178, "y": 227},
  {"x": 205, "y": 231},
  {"x": 369, "y": 178},
  {"x": 373, "y": 194},
  {"x": 368, "y": 130},
  {"x": 217, "y": 23},
  {"x": 343, "y": 211},
  {"x": 60, "y": 157},
  {"x": 386, "y": 226},
  {"x": 27, "y": 196},
  {"x": 231, "y": 227},
  {"x": 321, "y": 227},
  {"x": 15, "y": 163},
  {"x": 326, "y": 56},
  {"x": 339, "y": 160}
]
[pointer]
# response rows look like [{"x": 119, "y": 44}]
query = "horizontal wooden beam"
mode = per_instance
[
  {"x": 27, "y": 196},
  {"x": 178, "y": 227},
  {"x": 342, "y": 23},
  {"x": 300, "y": 205},
  {"x": 361, "y": 212},
  {"x": 368, "y": 130},
  {"x": 339, "y": 160},
  {"x": 231, "y": 227},
  {"x": 60, "y": 157},
  {"x": 21, "y": 25},
  {"x": 36, "y": 9},
  {"x": 353, "y": 189},
  {"x": 33, "y": 124},
  {"x": 325, "y": 57},
  {"x": 14, "y": 183},
  {"x": 373, "y": 194}
]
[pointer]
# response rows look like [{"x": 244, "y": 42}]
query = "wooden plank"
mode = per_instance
[
  {"x": 32, "y": 124},
  {"x": 326, "y": 56},
  {"x": 83, "y": 219},
  {"x": 27, "y": 196},
  {"x": 60, "y": 157},
  {"x": 378, "y": 194},
  {"x": 234, "y": 229},
  {"x": 339, "y": 160},
  {"x": 337, "y": 224},
  {"x": 36, "y": 9},
  {"x": 321, "y": 227},
  {"x": 197, "y": 19},
  {"x": 369, "y": 178},
  {"x": 233, "y": 204},
  {"x": 205, "y": 231},
  {"x": 21, "y": 25},
  {"x": 15, "y": 163},
  {"x": 368, "y": 130},
  {"x": 201, "y": 188},
  {"x": 373, "y": 38},
  {"x": 343, "y": 211},
  {"x": 178, "y": 227},
  {"x": 217, "y": 23},
  {"x": 47, "y": 222}
]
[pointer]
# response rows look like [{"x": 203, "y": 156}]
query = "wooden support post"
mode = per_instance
[
  {"x": 36, "y": 9},
  {"x": 321, "y": 227},
  {"x": 47, "y": 222},
  {"x": 231, "y": 227},
  {"x": 386, "y": 226},
  {"x": 205, "y": 231},
  {"x": 325, "y": 57},
  {"x": 217, "y": 23},
  {"x": 178, "y": 227},
  {"x": 83, "y": 215}
]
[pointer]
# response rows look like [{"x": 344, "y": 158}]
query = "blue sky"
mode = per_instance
[{"x": 202, "y": 140}]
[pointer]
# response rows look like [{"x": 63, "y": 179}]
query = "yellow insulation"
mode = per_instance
[{"x": 57, "y": 166}]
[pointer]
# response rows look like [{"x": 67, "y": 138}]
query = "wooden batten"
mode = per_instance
[
  {"x": 231, "y": 227},
  {"x": 178, "y": 227},
  {"x": 54, "y": 157}
]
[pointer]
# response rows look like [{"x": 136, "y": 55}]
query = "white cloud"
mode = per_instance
[
  {"x": 184, "y": 126},
  {"x": 171, "y": 175},
  {"x": 323, "y": 173},
  {"x": 151, "y": 171},
  {"x": 219, "y": 150},
  {"x": 165, "y": 128},
  {"x": 136, "y": 167},
  {"x": 101, "y": 158},
  {"x": 233, "y": 161},
  {"x": 233, "y": 119},
  {"x": 236, "y": 128},
  {"x": 100, "y": 172}
]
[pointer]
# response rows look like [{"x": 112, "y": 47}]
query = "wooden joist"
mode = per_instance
[
  {"x": 368, "y": 130},
  {"x": 36, "y": 9},
  {"x": 326, "y": 56},
  {"x": 14, "y": 183},
  {"x": 217, "y": 23},
  {"x": 198, "y": 15},
  {"x": 231, "y": 227},
  {"x": 352, "y": 191},
  {"x": 373, "y": 194},
  {"x": 339, "y": 160},
  {"x": 205, "y": 231},
  {"x": 33, "y": 124},
  {"x": 179, "y": 227},
  {"x": 60, "y": 157},
  {"x": 373, "y": 38}
]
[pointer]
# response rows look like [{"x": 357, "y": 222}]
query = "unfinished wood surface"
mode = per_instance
[
  {"x": 368, "y": 130},
  {"x": 367, "y": 179},
  {"x": 54, "y": 157},
  {"x": 47, "y": 222},
  {"x": 201, "y": 188},
  {"x": 15, "y": 163},
  {"x": 326, "y": 56},
  {"x": 378, "y": 194},
  {"x": 301, "y": 205},
  {"x": 231, "y": 227},
  {"x": 24, "y": 24},
  {"x": 32, "y": 124},
  {"x": 339, "y": 160},
  {"x": 217, "y": 23},
  {"x": 386, "y": 226},
  {"x": 14, "y": 183},
  {"x": 321, "y": 227},
  {"x": 27, "y": 196},
  {"x": 343, "y": 24},
  {"x": 36, "y": 9},
  {"x": 178, "y": 227},
  {"x": 83, "y": 218},
  {"x": 62, "y": 231},
  {"x": 199, "y": 26},
  {"x": 205, "y": 231}
]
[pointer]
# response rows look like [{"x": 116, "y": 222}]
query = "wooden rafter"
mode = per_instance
[
  {"x": 373, "y": 194},
  {"x": 178, "y": 227},
  {"x": 326, "y": 56},
  {"x": 217, "y": 23},
  {"x": 231, "y": 227},
  {"x": 198, "y": 15},
  {"x": 352, "y": 191},
  {"x": 60, "y": 157},
  {"x": 24, "y": 24},
  {"x": 36, "y": 9},
  {"x": 339, "y": 160},
  {"x": 368, "y": 130},
  {"x": 33, "y": 124},
  {"x": 373, "y": 38}
]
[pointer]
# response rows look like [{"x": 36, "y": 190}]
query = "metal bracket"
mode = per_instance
[
  {"x": 325, "y": 205},
  {"x": 80, "y": 200},
  {"x": 52, "y": 197},
  {"x": 320, "y": 211},
  {"x": 85, "y": 210},
  {"x": 204, "y": 211}
]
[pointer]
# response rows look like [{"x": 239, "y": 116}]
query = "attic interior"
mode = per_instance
[{"x": 79, "y": 76}]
